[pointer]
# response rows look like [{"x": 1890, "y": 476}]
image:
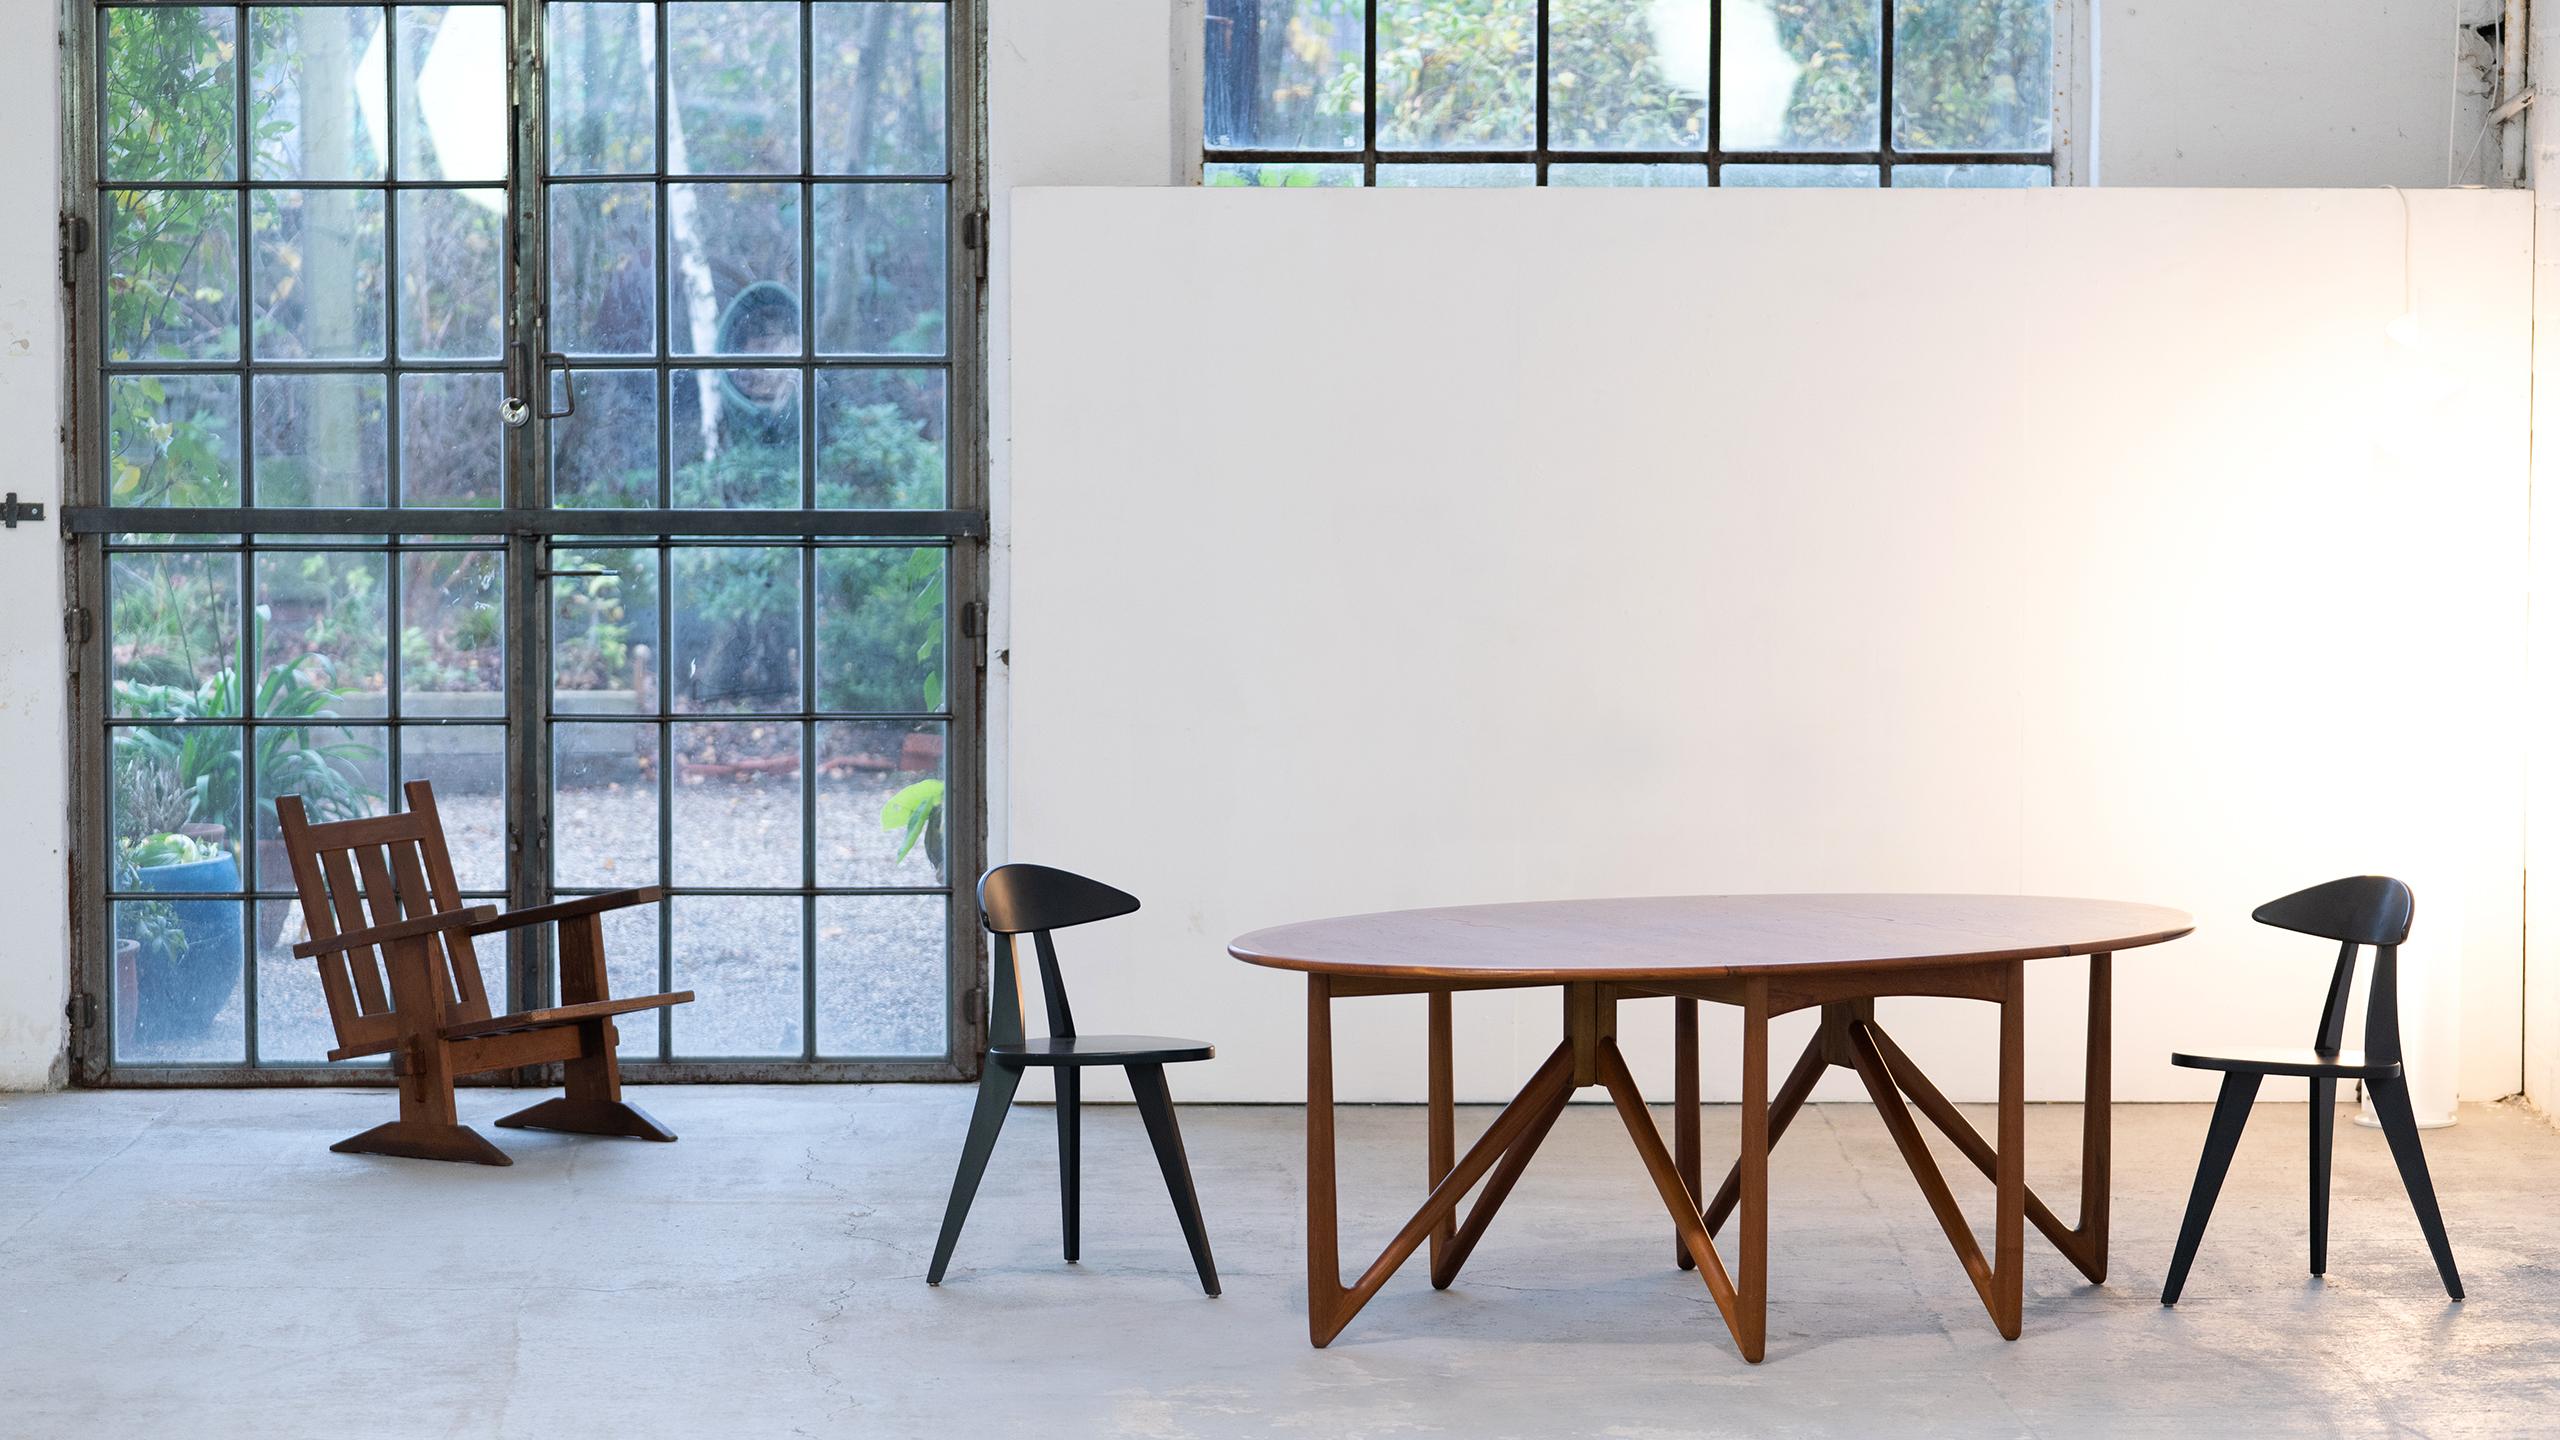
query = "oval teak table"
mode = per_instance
[{"x": 1768, "y": 954}]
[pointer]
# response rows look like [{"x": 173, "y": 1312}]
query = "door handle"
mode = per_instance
[{"x": 515, "y": 410}]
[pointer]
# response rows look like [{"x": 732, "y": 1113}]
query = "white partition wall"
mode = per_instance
[{"x": 1403, "y": 548}]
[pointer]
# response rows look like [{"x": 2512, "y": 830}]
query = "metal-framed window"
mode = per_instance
[
  {"x": 1667, "y": 93},
  {"x": 573, "y": 402}
]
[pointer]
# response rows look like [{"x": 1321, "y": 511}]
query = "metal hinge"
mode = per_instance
[
  {"x": 13, "y": 510},
  {"x": 75, "y": 626},
  {"x": 973, "y": 1003},
  {"x": 973, "y": 234},
  {"x": 75, "y": 241},
  {"x": 973, "y": 624},
  {"x": 82, "y": 1010}
]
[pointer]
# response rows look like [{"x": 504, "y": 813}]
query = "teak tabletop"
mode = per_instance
[{"x": 1768, "y": 954}]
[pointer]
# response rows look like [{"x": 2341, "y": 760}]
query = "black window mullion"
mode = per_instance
[{"x": 1884, "y": 156}]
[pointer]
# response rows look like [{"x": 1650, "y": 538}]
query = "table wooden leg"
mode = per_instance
[
  {"x": 1675, "y": 1197},
  {"x": 1324, "y": 1236},
  {"x": 1751, "y": 1288},
  {"x": 2085, "y": 1246},
  {"x": 1870, "y": 1065},
  {"x": 1330, "y": 1303},
  {"x": 1684, "y": 1110},
  {"x": 1808, "y": 1072},
  {"x": 2009, "y": 1207},
  {"x": 1443, "y": 1142}
]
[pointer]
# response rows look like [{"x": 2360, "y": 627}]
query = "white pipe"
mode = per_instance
[{"x": 2511, "y": 89}]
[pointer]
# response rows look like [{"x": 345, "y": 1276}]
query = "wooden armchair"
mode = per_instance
[{"x": 385, "y": 883}]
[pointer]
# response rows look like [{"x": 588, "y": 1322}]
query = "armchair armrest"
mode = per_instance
[
  {"x": 570, "y": 909},
  {"x": 402, "y": 930}
]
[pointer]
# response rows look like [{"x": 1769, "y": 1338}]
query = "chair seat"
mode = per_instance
[
  {"x": 1100, "y": 1050},
  {"x": 2283, "y": 1060}
]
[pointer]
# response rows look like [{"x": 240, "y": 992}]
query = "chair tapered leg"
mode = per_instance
[
  {"x": 995, "y": 1097},
  {"x": 2221, "y": 1140},
  {"x": 2324, "y": 1124},
  {"x": 2390, "y": 1096},
  {"x": 1070, "y": 1163},
  {"x": 1155, "y": 1104}
]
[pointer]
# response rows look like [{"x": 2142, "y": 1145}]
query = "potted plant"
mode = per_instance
[
  {"x": 317, "y": 763},
  {"x": 149, "y": 940}
]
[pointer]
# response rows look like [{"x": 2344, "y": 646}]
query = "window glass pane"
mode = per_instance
[
  {"x": 173, "y": 277},
  {"x": 293, "y": 1011},
  {"x": 882, "y": 977},
  {"x": 170, "y": 102},
  {"x": 449, "y": 438},
  {"x": 451, "y": 92},
  {"x": 882, "y": 270},
  {"x": 175, "y": 633},
  {"x": 632, "y": 953},
  {"x": 736, "y": 804},
  {"x": 319, "y": 439},
  {"x": 1457, "y": 76},
  {"x": 737, "y": 438},
  {"x": 734, "y": 287},
  {"x": 452, "y": 266},
  {"x": 878, "y": 91},
  {"x": 602, "y": 88},
  {"x": 340, "y": 772},
  {"x": 1800, "y": 74},
  {"x": 1668, "y": 177},
  {"x": 468, "y": 766},
  {"x": 1972, "y": 177},
  {"x": 606, "y": 454},
  {"x": 881, "y": 785},
  {"x": 176, "y": 803},
  {"x": 880, "y": 628},
  {"x": 173, "y": 440},
  {"x": 1973, "y": 74},
  {"x": 604, "y": 269},
  {"x": 1628, "y": 74},
  {"x": 323, "y": 622},
  {"x": 1283, "y": 74},
  {"x": 737, "y": 629},
  {"x": 316, "y": 274},
  {"x": 177, "y": 970},
  {"x": 1455, "y": 177},
  {"x": 1814, "y": 177},
  {"x": 881, "y": 439},
  {"x": 315, "y": 93},
  {"x": 604, "y": 630},
  {"x": 733, "y": 97},
  {"x": 1234, "y": 175},
  {"x": 740, "y": 955},
  {"x": 453, "y": 638},
  {"x": 604, "y": 819}
]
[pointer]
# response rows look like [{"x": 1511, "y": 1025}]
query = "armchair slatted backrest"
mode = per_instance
[
  {"x": 379, "y": 870},
  {"x": 1018, "y": 900},
  {"x": 2370, "y": 910}
]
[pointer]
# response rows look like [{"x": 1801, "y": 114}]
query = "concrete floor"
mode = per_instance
[{"x": 199, "y": 1264}]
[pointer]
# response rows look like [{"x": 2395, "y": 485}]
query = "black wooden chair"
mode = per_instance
[
  {"x": 1033, "y": 900},
  {"x": 2362, "y": 910}
]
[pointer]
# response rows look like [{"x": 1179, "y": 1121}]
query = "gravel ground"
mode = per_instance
[{"x": 879, "y": 971}]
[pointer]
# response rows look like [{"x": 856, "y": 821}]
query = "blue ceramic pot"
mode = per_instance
[{"x": 179, "y": 995}]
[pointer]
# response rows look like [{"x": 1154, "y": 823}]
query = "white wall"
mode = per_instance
[
  {"x": 2276, "y": 92},
  {"x": 34, "y": 726},
  {"x": 1082, "y": 94},
  {"x": 2080, "y": 542}
]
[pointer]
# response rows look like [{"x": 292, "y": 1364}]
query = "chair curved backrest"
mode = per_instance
[
  {"x": 2370, "y": 910},
  {"x": 1015, "y": 900},
  {"x": 2364, "y": 909}
]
